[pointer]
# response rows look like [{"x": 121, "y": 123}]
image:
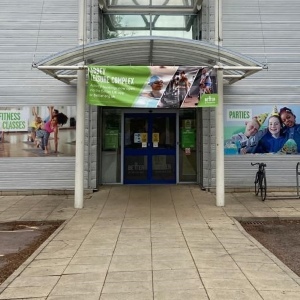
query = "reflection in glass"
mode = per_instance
[
  {"x": 111, "y": 146},
  {"x": 165, "y": 128},
  {"x": 135, "y": 167},
  {"x": 163, "y": 167},
  {"x": 187, "y": 146},
  {"x": 147, "y": 3},
  {"x": 135, "y": 130},
  {"x": 123, "y": 25}
]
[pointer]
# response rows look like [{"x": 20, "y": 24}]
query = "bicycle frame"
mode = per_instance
[{"x": 260, "y": 181}]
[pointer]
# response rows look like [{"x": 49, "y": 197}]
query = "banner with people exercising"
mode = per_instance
[
  {"x": 261, "y": 129},
  {"x": 31, "y": 131},
  {"x": 152, "y": 86}
]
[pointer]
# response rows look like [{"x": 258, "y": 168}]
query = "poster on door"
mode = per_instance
[
  {"x": 152, "y": 86},
  {"x": 261, "y": 129}
]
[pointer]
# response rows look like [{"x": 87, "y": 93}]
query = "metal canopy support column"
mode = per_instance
[
  {"x": 79, "y": 159},
  {"x": 80, "y": 104},
  {"x": 220, "y": 168},
  {"x": 220, "y": 182}
]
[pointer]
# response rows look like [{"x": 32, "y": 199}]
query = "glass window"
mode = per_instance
[
  {"x": 163, "y": 167},
  {"x": 184, "y": 26},
  {"x": 136, "y": 167},
  {"x": 187, "y": 146},
  {"x": 111, "y": 146},
  {"x": 184, "y": 3}
]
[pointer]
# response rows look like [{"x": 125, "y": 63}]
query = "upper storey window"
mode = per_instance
[
  {"x": 150, "y": 2},
  {"x": 177, "y": 18}
]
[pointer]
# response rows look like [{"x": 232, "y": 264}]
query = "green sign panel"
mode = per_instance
[
  {"x": 188, "y": 138},
  {"x": 111, "y": 139},
  {"x": 208, "y": 100}
]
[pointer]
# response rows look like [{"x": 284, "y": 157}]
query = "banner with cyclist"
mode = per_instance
[
  {"x": 264, "y": 129},
  {"x": 152, "y": 86}
]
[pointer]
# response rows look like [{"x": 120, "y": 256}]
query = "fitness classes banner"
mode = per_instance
[
  {"x": 152, "y": 86},
  {"x": 261, "y": 129},
  {"x": 37, "y": 131}
]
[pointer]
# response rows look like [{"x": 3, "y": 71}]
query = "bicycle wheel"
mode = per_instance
[
  {"x": 263, "y": 187},
  {"x": 256, "y": 184}
]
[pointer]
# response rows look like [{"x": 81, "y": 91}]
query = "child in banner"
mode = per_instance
[
  {"x": 291, "y": 129},
  {"x": 245, "y": 139},
  {"x": 274, "y": 139},
  {"x": 34, "y": 125}
]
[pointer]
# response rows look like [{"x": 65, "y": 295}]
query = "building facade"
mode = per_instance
[{"x": 181, "y": 143}]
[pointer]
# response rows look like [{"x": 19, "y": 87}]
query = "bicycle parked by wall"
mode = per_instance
[{"x": 260, "y": 181}]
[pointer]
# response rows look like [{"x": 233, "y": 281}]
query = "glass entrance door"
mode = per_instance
[{"x": 149, "y": 148}]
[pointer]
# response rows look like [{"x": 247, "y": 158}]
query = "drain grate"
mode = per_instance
[
  {"x": 272, "y": 222},
  {"x": 253, "y": 223}
]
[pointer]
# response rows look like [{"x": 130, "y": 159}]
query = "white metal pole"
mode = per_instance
[
  {"x": 220, "y": 169},
  {"x": 216, "y": 22},
  {"x": 80, "y": 107},
  {"x": 220, "y": 182},
  {"x": 79, "y": 159},
  {"x": 81, "y": 21},
  {"x": 220, "y": 23}
]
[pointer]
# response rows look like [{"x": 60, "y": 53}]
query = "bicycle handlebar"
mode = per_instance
[{"x": 260, "y": 164}]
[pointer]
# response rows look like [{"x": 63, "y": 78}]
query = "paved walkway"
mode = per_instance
[{"x": 149, "y": 242}]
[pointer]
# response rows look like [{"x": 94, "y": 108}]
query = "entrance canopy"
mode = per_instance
[{"x": 147, "y": 51}]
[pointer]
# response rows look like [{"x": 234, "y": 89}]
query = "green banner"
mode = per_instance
[
  {"x": 116, "y": 86},
  {"x": 151, "y": 86}
]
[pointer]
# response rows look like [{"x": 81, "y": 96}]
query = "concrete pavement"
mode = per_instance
[{"x": 149, "y": 242}]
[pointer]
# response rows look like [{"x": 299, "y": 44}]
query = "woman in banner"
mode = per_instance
[{"x": 49, "y": 127}]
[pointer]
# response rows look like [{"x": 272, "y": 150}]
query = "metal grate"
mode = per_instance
[{"x": 253, "y": 223}]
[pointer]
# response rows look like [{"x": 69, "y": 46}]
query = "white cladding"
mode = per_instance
[
  {"x": 30, "y": 31},
  {"x": 267, "y": 31}
]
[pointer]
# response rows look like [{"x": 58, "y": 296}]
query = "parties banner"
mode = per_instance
[
  {"x": 152, "y": 86},
  {"x": 261, "y": 129}
]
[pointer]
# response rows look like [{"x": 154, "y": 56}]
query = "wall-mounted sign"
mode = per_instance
[
  {"x": 13, "y": 120},
  {"x": 208, "y": 100},
  {"x": 151, "y": 86},
  {"x": 261, "y": 129}
]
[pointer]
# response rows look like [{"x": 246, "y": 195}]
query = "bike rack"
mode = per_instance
[
  {"x": 297, "y": 186},
  {"x": 297, "y": 178}
]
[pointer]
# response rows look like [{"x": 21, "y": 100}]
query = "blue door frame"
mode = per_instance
[{"x": 150, "y": 157}]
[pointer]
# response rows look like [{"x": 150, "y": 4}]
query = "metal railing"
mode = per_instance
[{"x": 297, "y": 177}]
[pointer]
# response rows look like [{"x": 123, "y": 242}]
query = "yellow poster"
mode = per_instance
[
  {"x": 155, "y": 137},
  {"x": 144, "y": 137}
]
